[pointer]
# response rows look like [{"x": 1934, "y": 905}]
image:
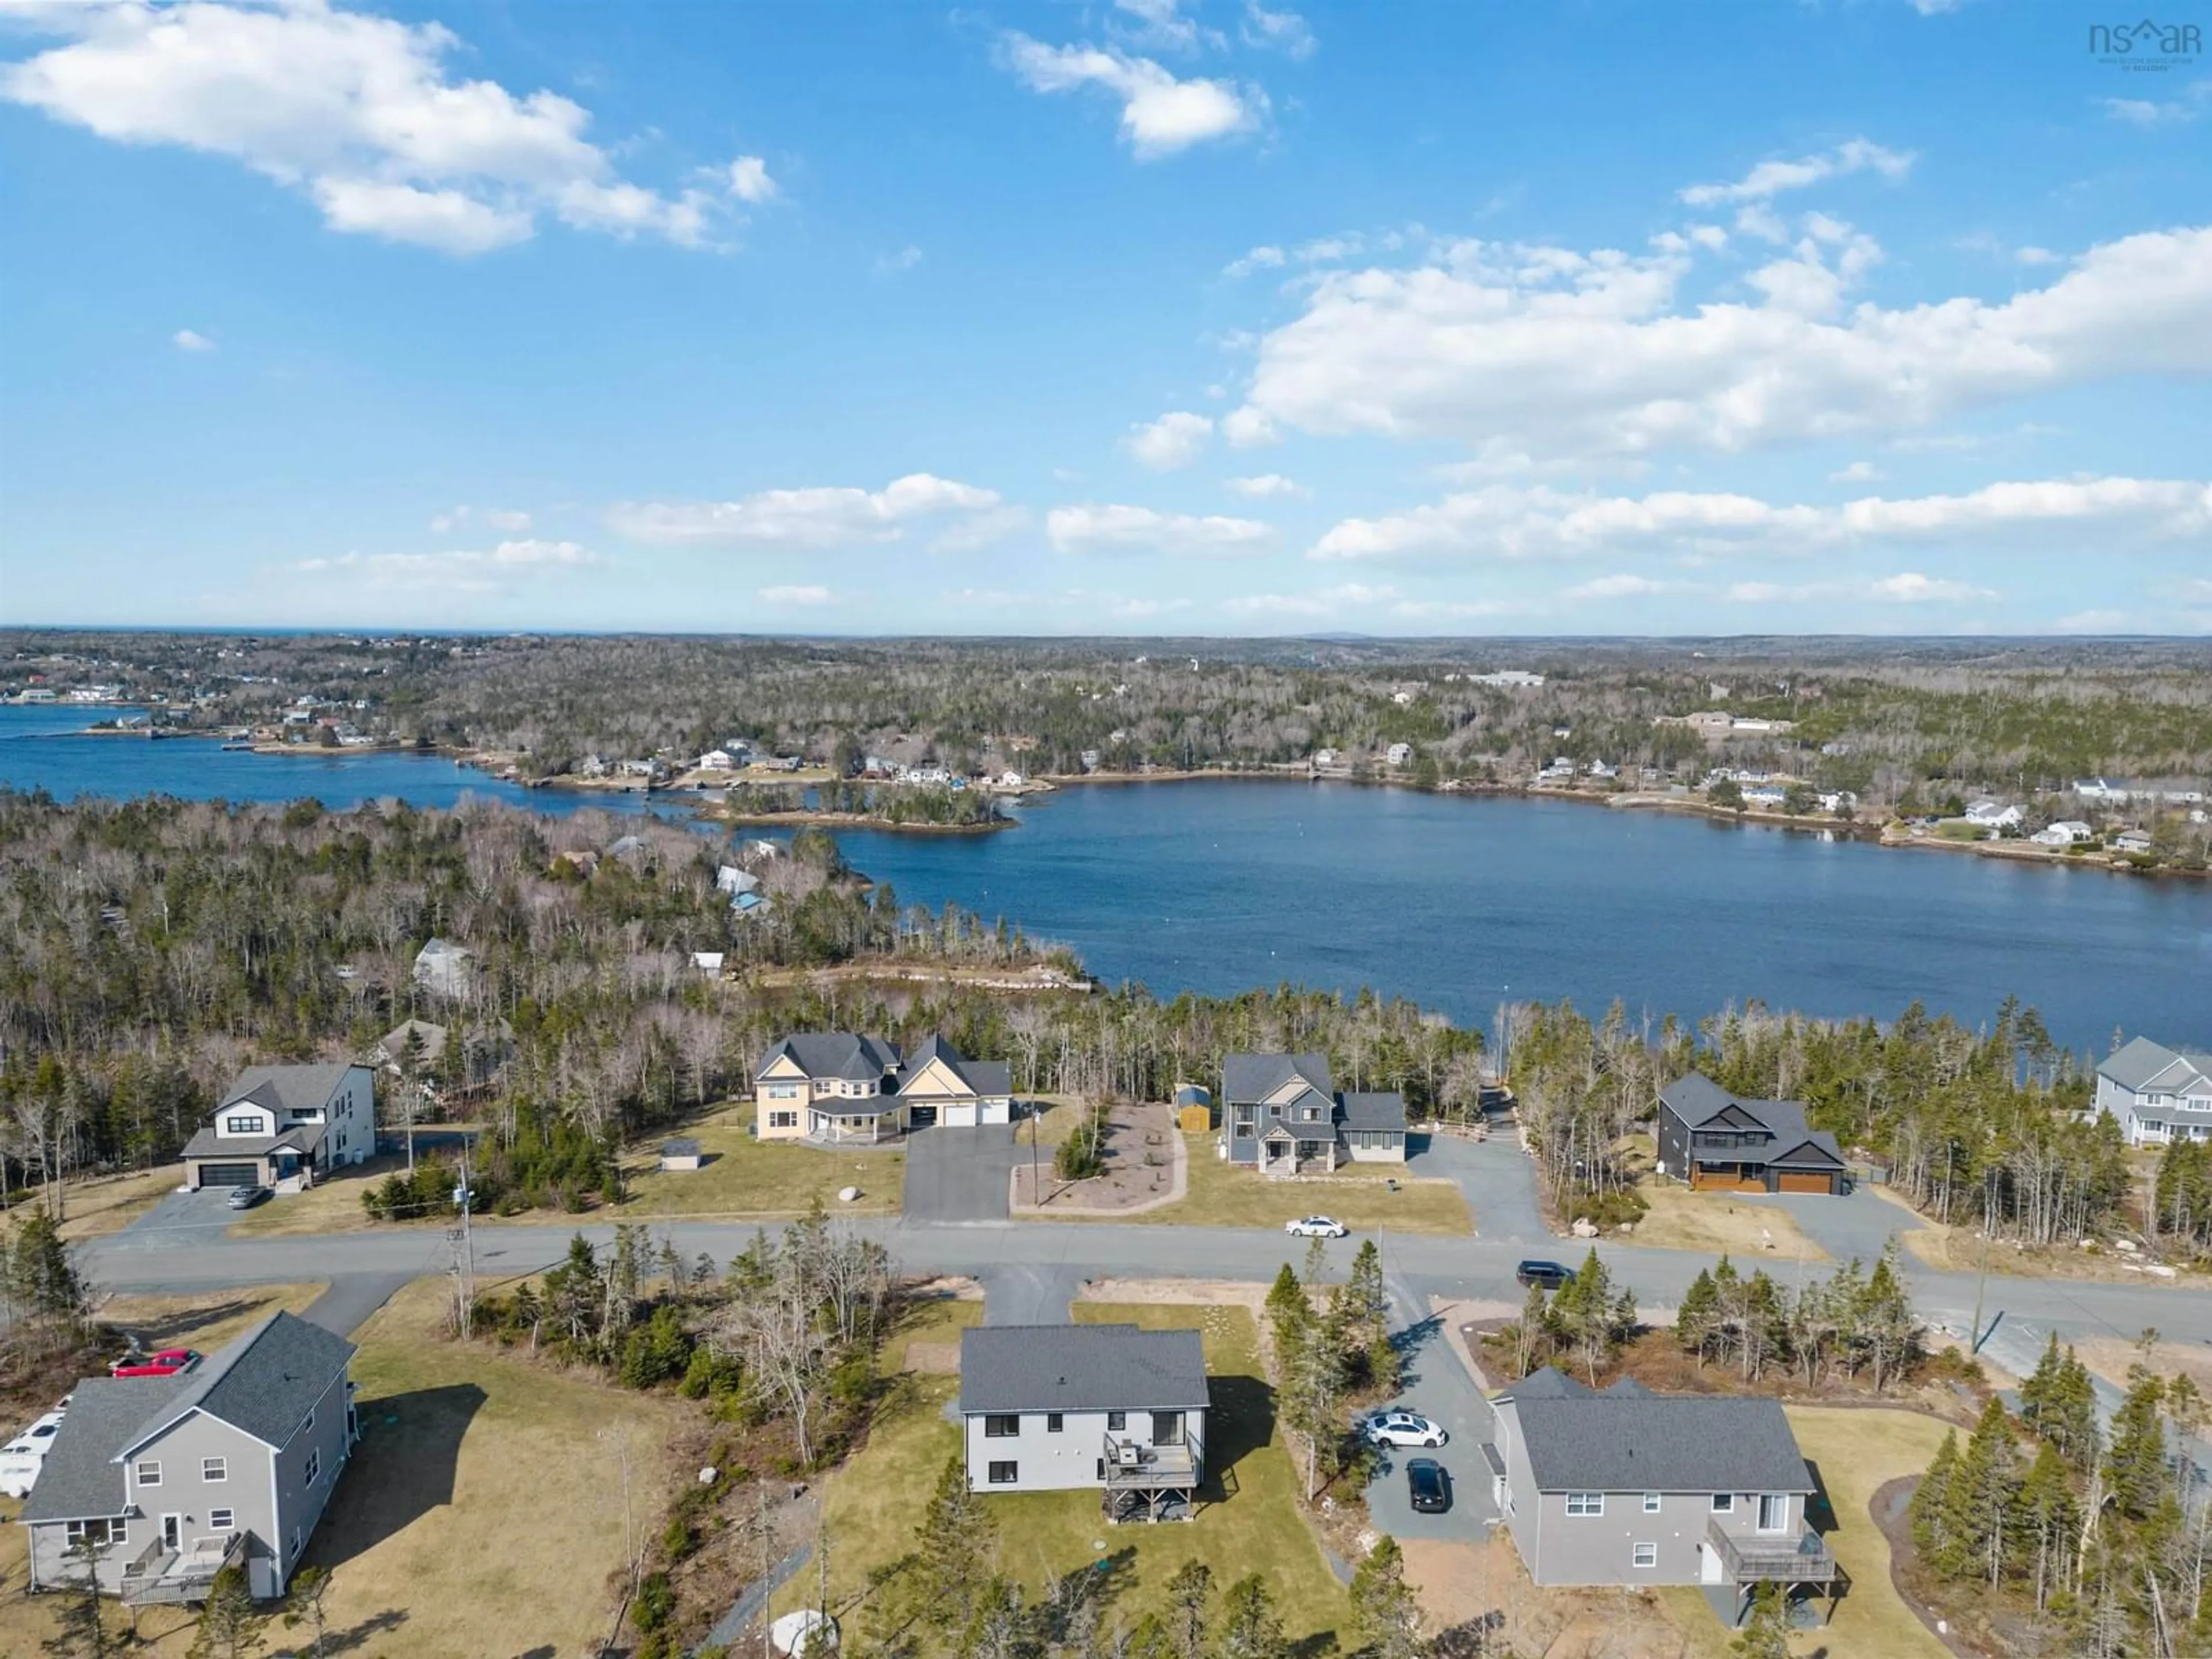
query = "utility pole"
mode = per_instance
[
  {"x": 465, "y": 1259},
  {"x": 1981, "y": 1283}
]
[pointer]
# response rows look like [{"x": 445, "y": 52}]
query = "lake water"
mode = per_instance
[{"x": 1457, "y": 902}]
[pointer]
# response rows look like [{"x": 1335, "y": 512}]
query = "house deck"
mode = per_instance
[{"x": 161, "y": 1575}]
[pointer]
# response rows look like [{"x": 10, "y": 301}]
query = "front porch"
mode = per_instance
[
  {"x": 831, "y": 1128},
  {"x": 163, "y": 1573},
  {"x": 1283, "y": 1155}
]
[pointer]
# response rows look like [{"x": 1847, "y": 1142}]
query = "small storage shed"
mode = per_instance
[
  {"x": 679, "y": 1154},
  {"x": 1194, "y": 1108}
]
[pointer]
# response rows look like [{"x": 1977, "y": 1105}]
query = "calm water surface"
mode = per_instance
[{"x": 1458, "y": 904}]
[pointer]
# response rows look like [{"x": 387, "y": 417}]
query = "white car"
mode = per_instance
[
  {"x": 22, "y": 1458},
  {"x": 1403, "y": 1429},
  {"x": 1315, "y": 1226}
]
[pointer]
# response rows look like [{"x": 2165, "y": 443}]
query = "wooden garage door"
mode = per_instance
[{"x": 1805, "y": 1181}]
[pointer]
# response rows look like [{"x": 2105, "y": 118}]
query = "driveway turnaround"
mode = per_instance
[
  {"x": 955, "y": 1176},
  {"x": 179, "y": 1218}
]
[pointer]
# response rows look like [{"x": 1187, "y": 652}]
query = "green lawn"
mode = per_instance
[
  {"x": 1248, "y": 1520},
  {"x": 746, "y": 1177},
  {"x": 1222, "y": 1195}
]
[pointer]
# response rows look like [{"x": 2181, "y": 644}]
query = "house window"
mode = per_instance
[
  {"x": 1167, "y": 1428},
  {"x": 314, "y": 1469},
  {"x": 98, "y": 1535},
  {"x": 1116, "y": 1422},
  {"x": 1053, "y": 1423},
  {"x": 1651, "y": 1503},
  {"x": 1643, "y": 1555},
  {"x": 1774, "y": 1512},
  {"x": 246, "y": 1125},
  {"x": 1724, "y": 1502},
  {"x": 783, "y": 1120},
  {"x": 783, "y": 1091},
  {"x": 1001, "y": 1426},
  {"x": 295, "y": 1543},
  {"x": 149, "y": 1475},
  {"x": 309, "y": 1424},
  {"x": 1005, "y": 1474},
  {"x": 222, "y": 1521},
  {"x": 1585, "y": 1503},
  {"x": 215, "y": 1468}
]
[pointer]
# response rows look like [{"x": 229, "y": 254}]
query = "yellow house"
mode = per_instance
[
  {"x": 938, "y": 1084},
  {"x": 840, "y": 1088}
]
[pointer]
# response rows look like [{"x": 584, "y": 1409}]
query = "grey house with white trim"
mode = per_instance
[
  {"x": 1626, "y": 1486},
  {"x": 1282, "y": 1114},
  {"x": 167, "y": 1479},
  {"x": 2158, "y": 1094},
  {"x": 282, "y": 1126},
  {"x": 1116, "y": 1407}
]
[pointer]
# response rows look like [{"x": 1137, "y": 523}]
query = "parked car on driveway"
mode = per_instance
[
  {"x": 1403, "y": 1429},
  {"x": 245, "y": 1198},
  {"x": 1552, "y": 1275},
  {"x": 1315, "y": 1226},
  {"x": 169, "y": 1362},
  {"x": 1428, "y": 1484}
]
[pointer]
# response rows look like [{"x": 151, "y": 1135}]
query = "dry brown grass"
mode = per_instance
[
  {"x": 1959, "y": 1249},
  {"x": 332, "y": 1204},
  {"x": 1713, "y": 1223},
  {"x": 107, "y": 1204},
  {"x": 203, "y": 1321},
  {"x": 2111, "y": 1358}
]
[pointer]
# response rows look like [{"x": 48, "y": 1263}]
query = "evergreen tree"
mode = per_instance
[
  {"x": 1983, "y": 1492},
  {"x": 2059, "y": 1402},
  {"x": 1382, "y": 1605},
  {"x": 1699, "y": 1314},
  {"x": 1251, "y": 1628},
  {"x": 1289, "y": 1315},
  {"x": 2134, "y": 1464},
  {"x": 230, "y": 1625},
  {"x": 1888, "y": 1332},
  {"x": 303, "y": 1604},
  {"x": 2049, "y": 1518},
  {"x": 1931, "y": 1505},
  {"x": 1188, "y": 1593},
  {"x": 79, "y": 1632},
  {"x": 962, "y": 1533},
  {"x": 1765, "y": 1632}
]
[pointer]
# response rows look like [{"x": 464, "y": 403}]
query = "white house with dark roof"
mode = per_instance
[
  {"x": 838, "y": 1088},
  {"x": 2158, "y": 1094},
  {"x": 1626, "y": 1486},
  {"x": 1115, "y": 1408},
  {"x": 165, "y": 1481},
  {"x": 444, "y": 968},
  {"x": 1281, "y": 1114},
  {"x": 283, "y": 1126}
]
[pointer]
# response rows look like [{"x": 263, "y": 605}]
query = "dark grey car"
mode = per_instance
[{"x": 1430, "y": 1486}]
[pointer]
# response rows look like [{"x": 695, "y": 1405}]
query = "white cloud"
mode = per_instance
[
  {"x": 1174, "y": 441},
  {"x": 491, "y": 517},
  {"x": 795, "y": 595},
  {"x": 1329, "y": 602},
  {"x": 1600, "y": 354},
  {"x": 1626, "y": 586},
  {"x": 501, "y": 519},
  {"x": 823, "y": 517},
  {"x": 1162, "y": 24},
  {"x": 1907, "y": 587},
  {"x": 357, "y": 111},
  {"x": 472, "y": 571},
  {"x": 1770, "y": 178},
  {"x": 1259, "y": 258},
  {"x": 1160, "y": 114},
  {"x": 1505, "y": 522},
  {"x": 980, "y": 530},
  {"x": 905, "y": 260},
  {"x": 749, "y": 180},
  {"x": 1113, "y": 529},
  {"x": 535, "y": 551},
  {"x": 187, "y": 339},
  {"x": 1856, "y": 473},
  {"x": 2195, "y": 99},
  {"x": 1266, "y": 485},
  {"x": 1278, "y": 31},
  {"x": 1248, "y": 428}
]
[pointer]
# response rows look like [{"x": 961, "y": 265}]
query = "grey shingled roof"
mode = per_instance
[
  {"x": 288, "y": 1089},
  {"x": 2140, "y": 1059},
  {"x": 1250, "y": 1078},
  {"x": 81, "y": 1479},
  {"x": 1696, "y": 1099},
  {"x": 1384, "y": 1110},
  {"x": 843, "y": 1054},
  {"x": 1080, "y": 1367},
  {"x": 1631, "y": 1440},
  {"x": 984, "y": 1076},
  {"x": 262, "y": 1384},
  {"x": 301, "y": 1138}
]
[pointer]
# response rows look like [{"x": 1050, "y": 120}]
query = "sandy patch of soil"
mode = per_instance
[{"x": 1145, "y": 1167}]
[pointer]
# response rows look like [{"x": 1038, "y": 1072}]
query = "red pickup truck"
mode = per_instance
[{"x": 170, "y": 1362}]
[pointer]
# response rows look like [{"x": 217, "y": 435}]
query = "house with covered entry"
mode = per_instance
[
  {"x": 285, "y": 1126},
  {"x": 1710, "y": 1138},
  {"x": 1283, "y": 1114},
  {"x": 2157, "y": 1094},
  {"x": 1115, "y": 1408},
  {"x": 158, "y": 1483},
  {"x": 1623, "y": 1486},
  {"x": 841, "y": 1088}
]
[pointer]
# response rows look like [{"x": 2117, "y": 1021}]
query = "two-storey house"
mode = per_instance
[
  {"x": 1626, "y": 1486},
  {"x": 1710, "y": 1138},
  {"x": 938, "y": 1084},
  {"x": 1051, "y": 1408},
  {"x": 1281, "y": 1114},
  {"x": 840, "y": 1087},
  {"x": 2158, "y": 1094},
  {"x": 281, "y": 1126},
  {"x": 155, "y": 1483}
]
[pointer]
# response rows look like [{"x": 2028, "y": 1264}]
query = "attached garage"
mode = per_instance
[
  {"x": 226, "y": 1174},
  {"x": 1805, "y": 1181}
]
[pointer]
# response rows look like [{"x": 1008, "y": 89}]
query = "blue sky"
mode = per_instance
[{"x": 1141, "y": 317}]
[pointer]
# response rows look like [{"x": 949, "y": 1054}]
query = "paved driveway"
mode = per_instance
[
  {"x": 180, "y": 1219},
  {"x": 955, "y": 1176},
  {"x": 1497, "y": 1178},
  {"x": 1437, "y": 1386}
]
